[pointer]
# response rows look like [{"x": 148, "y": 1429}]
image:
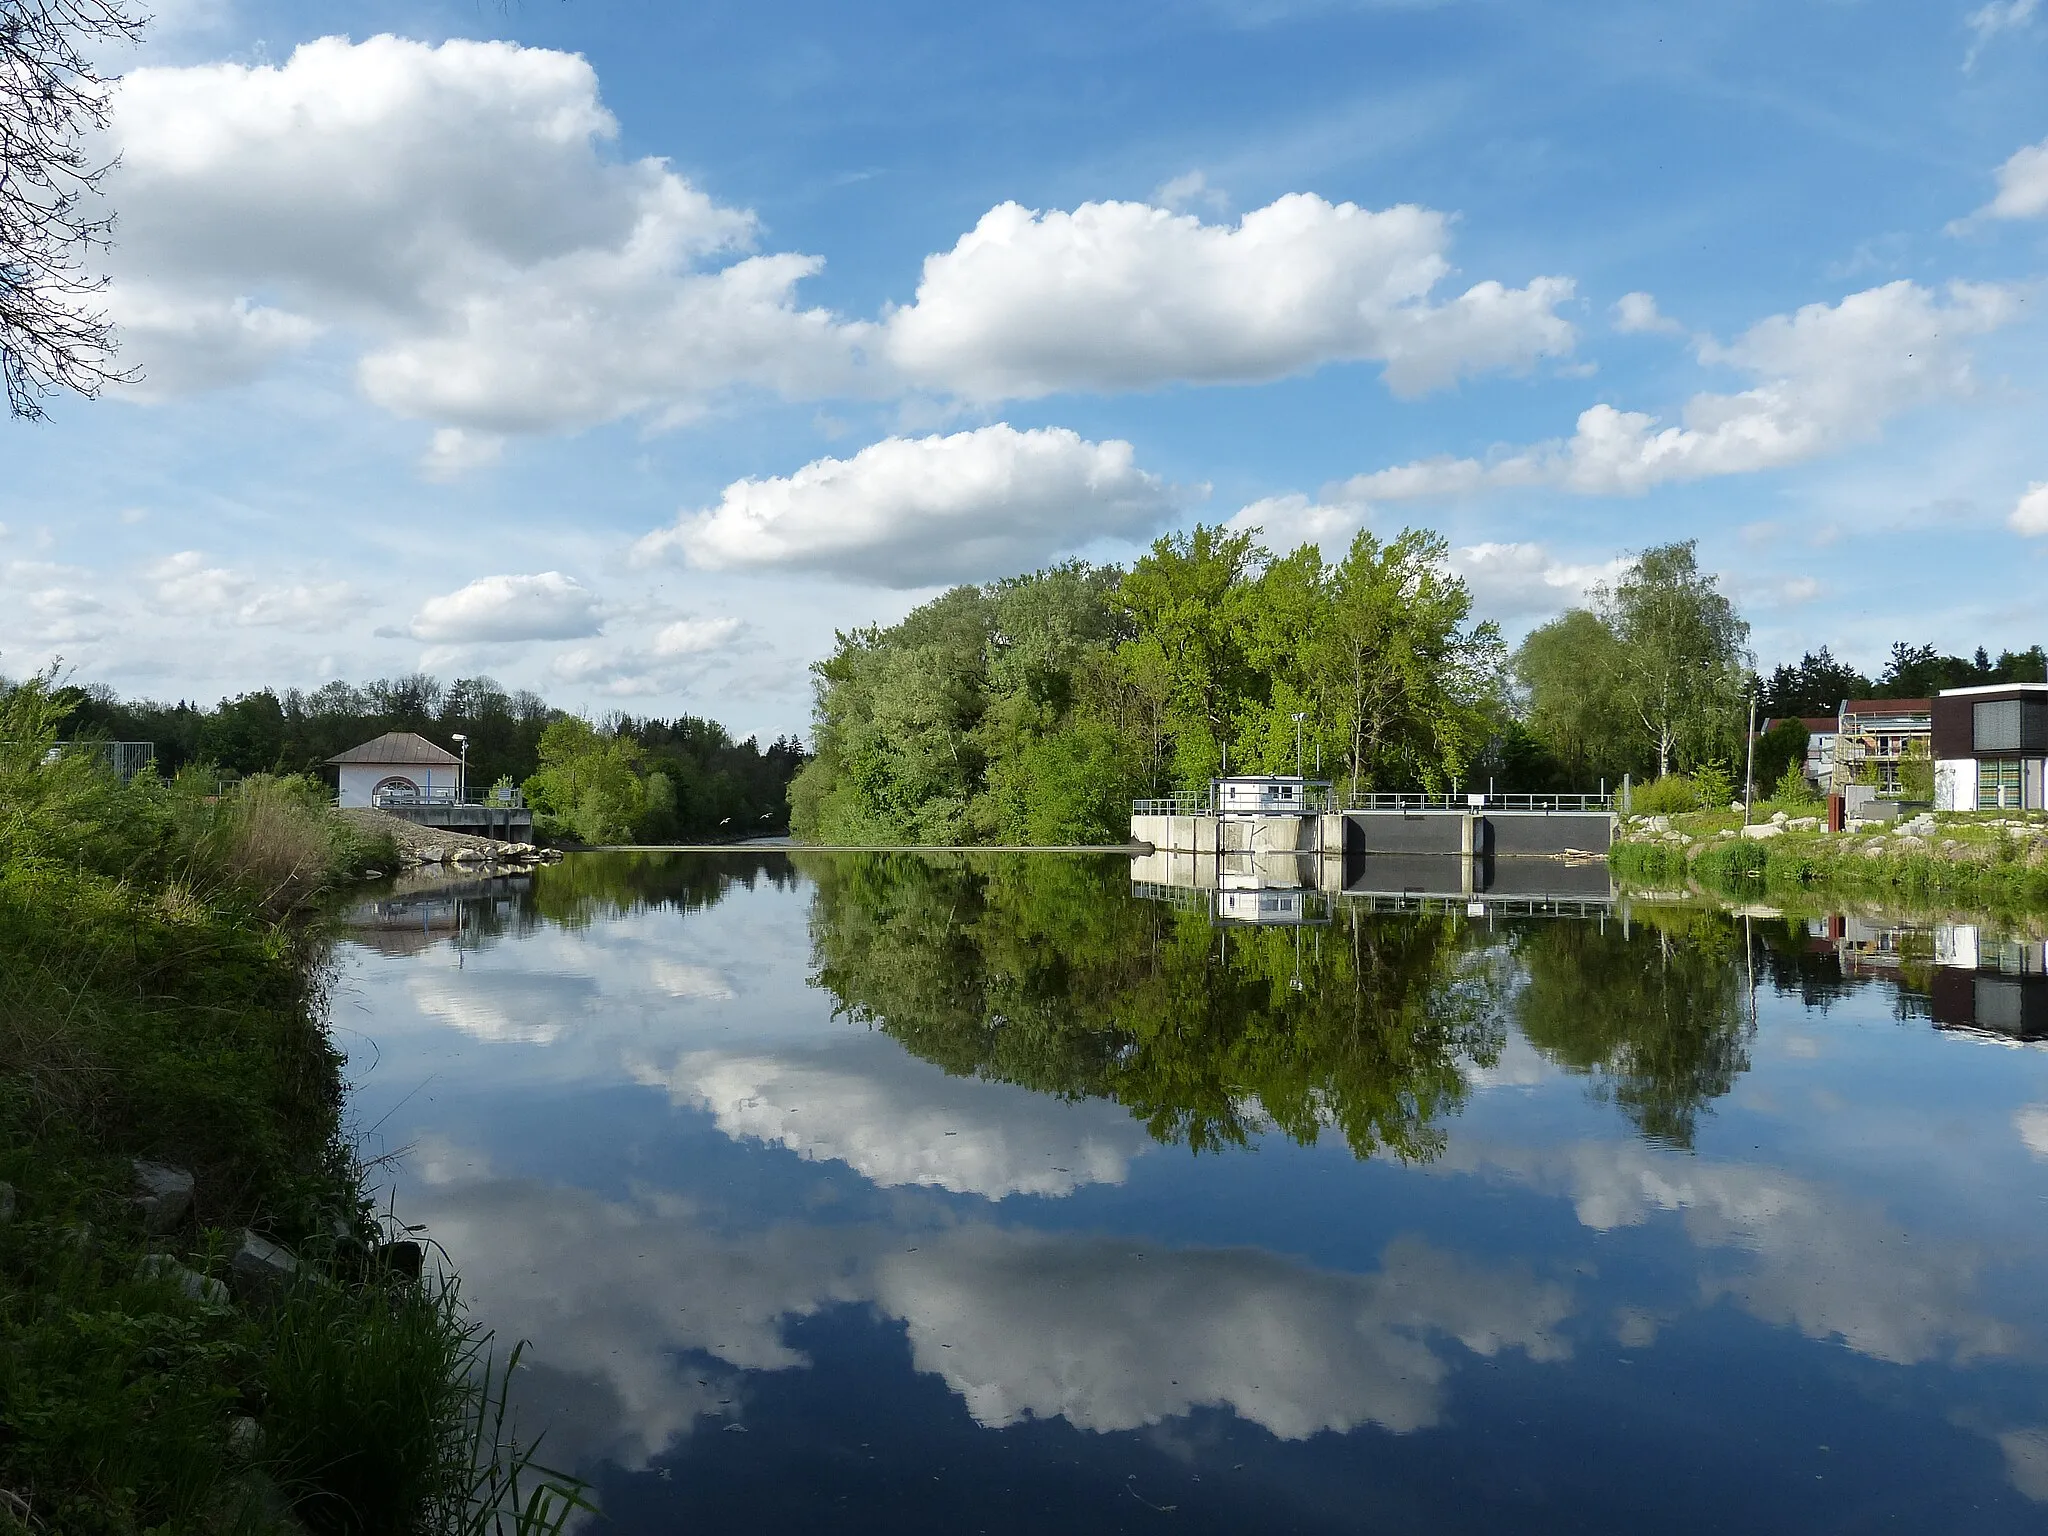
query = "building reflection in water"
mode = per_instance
[{"x": 1291, "y": 888}]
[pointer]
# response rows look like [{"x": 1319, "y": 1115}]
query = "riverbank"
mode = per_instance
[
  {"x": 1985, "y": 860},
  {"x": 203, "y": 1326}
]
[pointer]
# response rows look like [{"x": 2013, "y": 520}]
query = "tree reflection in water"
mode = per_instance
[
  {"x": 1658, "y": 1017},
  {"x": 1046, "y": 973}
]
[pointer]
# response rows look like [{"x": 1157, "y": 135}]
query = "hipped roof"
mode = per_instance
[{"x": 406, "y": 748}]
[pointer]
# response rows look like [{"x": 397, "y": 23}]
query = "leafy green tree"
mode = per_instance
[
  {"x": 246, "y": 734},
  {"x": 1682, "y": 657},
  {"x": 1570, "y": 671},
  {"x": 1780, "y": 751},
  {"x": 586, "y": 785},
  {"x": 1187, "y": 598},
  {"x": 1409, "y": 681}
]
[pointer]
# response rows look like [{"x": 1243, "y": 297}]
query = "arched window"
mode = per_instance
[{"x": 397, "y": 786}]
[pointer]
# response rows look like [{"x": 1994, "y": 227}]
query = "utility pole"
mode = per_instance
[
  {"x": 1298, "y": 718},
  {"x": 1749, "y": 770},
  {"x": 462, "y": 773}
]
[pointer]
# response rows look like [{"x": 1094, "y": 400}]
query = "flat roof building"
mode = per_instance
[{"x": 1991, "y": 748}]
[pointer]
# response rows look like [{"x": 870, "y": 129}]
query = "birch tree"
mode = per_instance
[{"x": 1683, "y": 654}]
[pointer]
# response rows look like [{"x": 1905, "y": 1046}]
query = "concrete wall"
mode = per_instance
[
  {"x": 1453, "y": 832},
  {"x": 1232, "y": 834},
  {"x": 1550, "y": 832}
]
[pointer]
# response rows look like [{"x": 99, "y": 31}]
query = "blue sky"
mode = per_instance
[{"x": 627, "y": 351}]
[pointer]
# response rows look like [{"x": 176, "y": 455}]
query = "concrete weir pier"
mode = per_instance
[{"x": 1291, "y": 815}]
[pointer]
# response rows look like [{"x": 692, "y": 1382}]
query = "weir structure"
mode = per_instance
[{"x": 1281, "y": 814}]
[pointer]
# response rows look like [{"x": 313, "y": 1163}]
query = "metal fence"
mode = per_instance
[
  {"x": 435, "y": 795},
  {"x": 383, "y": 799},
  {"x": 1201, "y": 804},
  {"x": 1173, "y": 805},
  {"x": 127, "y": 758},
  {"x": 1474, "y": 802}
]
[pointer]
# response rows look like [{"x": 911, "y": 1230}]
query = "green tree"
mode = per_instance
[
  {"x": 586, "y": 785},
  {"x": 1780, "y": 751},
  {"x": 1682, "y": 655},
  {"x": 1818, "y": 685},
  {"x": 1186, "y": 600},
  {"x": 1408, "y": 682},
  {"x": 1570, "y": 671}
]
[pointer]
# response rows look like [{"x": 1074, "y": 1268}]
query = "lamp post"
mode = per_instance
[
  {"x": 1298, "y": 718},
  {"x": 462, "y": 773},
  {"x": 1749, "y": 764}
]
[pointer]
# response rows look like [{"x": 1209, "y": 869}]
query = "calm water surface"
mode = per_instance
[{"x": 919, "y": 1195}]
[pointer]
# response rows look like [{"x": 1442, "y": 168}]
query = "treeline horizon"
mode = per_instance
[
  {"x": 711, "y": 783},
  {"x": 1034, "y": 709}
]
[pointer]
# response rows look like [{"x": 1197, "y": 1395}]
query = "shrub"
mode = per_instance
[
  {"x": 1794, "y": 788},
  {"x": 1661, "y": 797},
  {"x": 1712, "y": 786}
]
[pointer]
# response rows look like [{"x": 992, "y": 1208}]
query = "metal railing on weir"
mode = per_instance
[
  {"x": 1199, "y": 803},
  {"x": 438, "y": 795}
]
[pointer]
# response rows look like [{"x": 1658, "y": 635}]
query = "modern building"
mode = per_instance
[
  {"x": 1991, "y": 747},
  {"x": 1873, "y": 736},
  {"x": 399, "y": 763}
]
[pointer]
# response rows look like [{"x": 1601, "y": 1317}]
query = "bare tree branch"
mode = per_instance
[{"x": 52, "y": 96}]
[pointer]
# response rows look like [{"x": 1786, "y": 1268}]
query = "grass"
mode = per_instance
[
  {"x": 1974, "y": 860},
  {"x": 161, "y": 997}
]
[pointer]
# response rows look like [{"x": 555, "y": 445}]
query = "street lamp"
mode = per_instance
[
  {"x": 462, "y": 773},
  {"x": 1298, "y": 718}
]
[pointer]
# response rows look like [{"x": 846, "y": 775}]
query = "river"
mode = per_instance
[{"x": 890, "y": 1193}]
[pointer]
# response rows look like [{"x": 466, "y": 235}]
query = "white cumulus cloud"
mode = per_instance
[
  {"x": 1828, "y": 375},
  {"x": 1287, "y": 522},
  {"x": 1115, "y": 296},
  {"x": 1526, "y": 580},
  {"x": 2022, "y": 188},
  {"x": 549, "y": 606},
  {"x": 908, "y": 512},
  {"x": 2030, "y": 514},
  {"x": 693, "y": 637},
  {"x": 1636, "y": 313},
  {"x": 186, "y": 584},
  {"x": 452, "y": 209}
]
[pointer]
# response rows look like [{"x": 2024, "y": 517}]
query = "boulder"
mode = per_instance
[
  {"x": 260, "y": 1267},
  {"x": 245, "y": 1437},
  {"x": 199, "y": 1287},
  {"x": 433, "y": 853},
  {"x": 1659, "y": 823},
  {"x": 163, "y": 1195},
  {"x": 1762, "y": 830},
  {"x": 1780, "y": 817},
  {"x": 1803, "y": 824}
]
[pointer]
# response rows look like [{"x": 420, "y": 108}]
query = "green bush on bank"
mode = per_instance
[{"x": 160, "y": 998}]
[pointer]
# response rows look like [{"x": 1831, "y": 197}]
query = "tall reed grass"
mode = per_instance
[{"x": 161, "y": 997}]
